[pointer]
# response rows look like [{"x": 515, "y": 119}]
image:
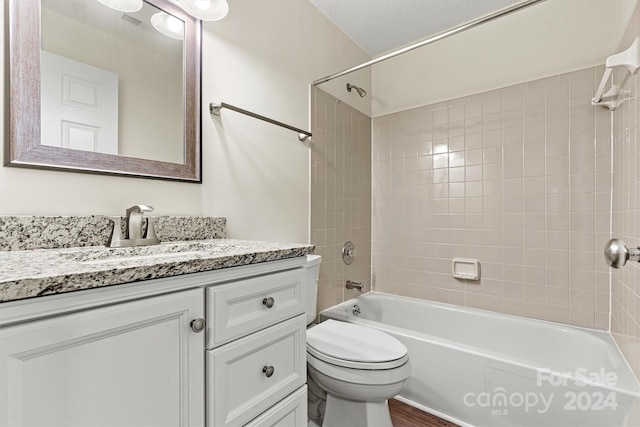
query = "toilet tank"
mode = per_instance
[{"x": 312, "y": 269}]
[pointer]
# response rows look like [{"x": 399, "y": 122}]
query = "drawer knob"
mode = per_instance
[
  {"x": 268, "y": 371},
  {"x": 268, "y": 302},
  {"x": 198, "y": 325}
]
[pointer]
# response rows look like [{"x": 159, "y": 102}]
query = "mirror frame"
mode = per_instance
[{"x": 22, "y": 105}]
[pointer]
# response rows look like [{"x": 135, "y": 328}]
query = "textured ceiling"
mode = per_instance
[{"x": 378, "y": 26}]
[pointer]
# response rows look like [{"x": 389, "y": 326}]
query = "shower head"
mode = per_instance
[{"x": 360, "y": 91}]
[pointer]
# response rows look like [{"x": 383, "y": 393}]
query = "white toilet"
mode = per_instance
[{"x": 356, "y": 367}]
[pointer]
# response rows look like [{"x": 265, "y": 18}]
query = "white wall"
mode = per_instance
[
  {"x": 553, "y": 37},
  {"x": 262, "y": 57}
]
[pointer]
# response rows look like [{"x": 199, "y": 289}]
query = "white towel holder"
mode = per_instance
[{"x": 630, "y": 59}]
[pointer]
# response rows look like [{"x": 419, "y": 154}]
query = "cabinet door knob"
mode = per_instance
[
  {"x": 268, "y": 370},
  {"x": 268, "y": 302},
  {"x": 198, "y": 325}
]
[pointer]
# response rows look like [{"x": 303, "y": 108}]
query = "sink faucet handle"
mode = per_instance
[
  {"x": 143, "y": 208},
  {"x": 151, "y": 228},
  {"x": 116, "y": 232},
  {"x": 138, "y": 209},
  {"x": 134, "y": 220}
]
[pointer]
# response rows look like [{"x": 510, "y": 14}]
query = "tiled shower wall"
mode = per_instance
[
  {"x": 518, "y": 178},
  {"x": 625, "y": 284},
  {"x": 340, "y": 195}
]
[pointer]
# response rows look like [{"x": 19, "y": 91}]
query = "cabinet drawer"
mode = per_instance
[
  {"x": 237, "y": 309},
  {"x": 239, "y": 389},
  {"x": 290, "y": 412}
]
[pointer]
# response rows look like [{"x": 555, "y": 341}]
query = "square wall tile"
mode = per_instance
[{"x": 516, "y": 177}]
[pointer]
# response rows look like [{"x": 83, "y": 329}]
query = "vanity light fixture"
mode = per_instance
[
  {"x": 168, "y": 25},
  {"x": 205, "y": 10},
  {"x": 123, "y": 5}
]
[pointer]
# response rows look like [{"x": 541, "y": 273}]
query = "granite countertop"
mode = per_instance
[{"x": 39, "y": 272}]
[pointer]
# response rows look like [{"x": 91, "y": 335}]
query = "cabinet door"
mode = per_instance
[{"x": 131, "y": 364}]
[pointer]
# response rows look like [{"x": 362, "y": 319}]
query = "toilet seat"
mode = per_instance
[{"x": 355, "y": 346}]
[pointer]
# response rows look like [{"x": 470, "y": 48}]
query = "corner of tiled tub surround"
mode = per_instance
[{"x": 55, "y": 232}]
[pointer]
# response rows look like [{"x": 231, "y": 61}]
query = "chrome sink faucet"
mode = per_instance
[{"x": 134, "y": 236}]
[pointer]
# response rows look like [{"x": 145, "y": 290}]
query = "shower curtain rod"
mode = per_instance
[
  {"x": 471, "y": 24},
  {"x": 214, "y": 108}
]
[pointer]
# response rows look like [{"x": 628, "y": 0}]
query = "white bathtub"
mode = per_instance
[{"x": 481, "y": 368}]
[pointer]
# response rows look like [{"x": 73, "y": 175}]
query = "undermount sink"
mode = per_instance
[{"x": 165, "y": 250}]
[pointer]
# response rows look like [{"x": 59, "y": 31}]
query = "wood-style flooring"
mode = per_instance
[{"x": 403, "y": 415}]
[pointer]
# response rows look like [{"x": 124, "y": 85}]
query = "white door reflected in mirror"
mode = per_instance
[{"x": 79, "y": 105}]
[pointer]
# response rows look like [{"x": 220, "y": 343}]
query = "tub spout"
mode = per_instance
[{"x": 354, "y": 285}]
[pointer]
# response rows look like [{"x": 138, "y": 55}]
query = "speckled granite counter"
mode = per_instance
[
  {"x": 32, "y": 273},
  {"x": 19, "y": 233}
]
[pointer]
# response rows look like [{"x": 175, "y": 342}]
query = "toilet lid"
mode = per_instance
[{"x": 355, "y": 346}]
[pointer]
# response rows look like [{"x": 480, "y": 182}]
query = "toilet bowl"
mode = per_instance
[{"x": 356, "y": 369}]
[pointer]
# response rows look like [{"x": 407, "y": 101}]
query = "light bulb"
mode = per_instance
[
  {"x": 168, "y": 25},
  {"x": 174, "y": 24},
  {"x": 206, "y": 10},
  {"x": 202, "y": 4}
]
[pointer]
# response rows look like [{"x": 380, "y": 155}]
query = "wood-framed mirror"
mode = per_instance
[{"x": 62, "y": 116}]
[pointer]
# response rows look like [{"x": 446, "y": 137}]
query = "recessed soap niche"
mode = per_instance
[{"x": 465, "y": 268}]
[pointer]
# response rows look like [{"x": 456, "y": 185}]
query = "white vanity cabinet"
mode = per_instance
[
  {"x": 134, "y": 355},
  {"x": 136, "y": 363}
]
